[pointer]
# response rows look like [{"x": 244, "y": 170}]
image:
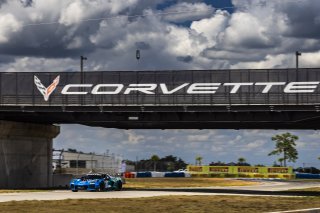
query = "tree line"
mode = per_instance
[
  {"x": 285, "y": 148},
  {"x": 155, "y": 163}
]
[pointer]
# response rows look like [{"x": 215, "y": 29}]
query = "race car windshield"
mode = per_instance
[{"x": 91, "y": 177}]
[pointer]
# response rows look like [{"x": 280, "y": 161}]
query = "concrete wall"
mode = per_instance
[
  {"x": 61, "y": 180},
  {"x": 26, "y": 154}
]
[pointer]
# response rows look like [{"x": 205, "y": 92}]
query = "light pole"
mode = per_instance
[
  {"x": 82, "y": 58},
  {"x": 297, "y": 59},
  {"x": 138, "y": 54},
  {"x": 297, "y": 69}
]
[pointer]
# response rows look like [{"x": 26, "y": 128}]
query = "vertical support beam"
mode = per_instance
[{"x": 26, "y": 155}]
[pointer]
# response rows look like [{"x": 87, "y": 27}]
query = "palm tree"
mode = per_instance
[
  {"x": 155, "y": 159},
  {"x": 281, "y": 160},
  {"x": 241, "y": 161},
  {"x": 285, "y": 146},
  {"x": 199, "y": 160}
]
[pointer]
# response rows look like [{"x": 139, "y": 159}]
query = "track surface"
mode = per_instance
[
  {"x": 264, "y": 188},
  {"x": 276, "y": 188}
]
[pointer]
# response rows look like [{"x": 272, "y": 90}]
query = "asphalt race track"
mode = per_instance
[
  {"x": 66, "y": 194},
  {"x": 272, "y": 188},
  {"x": 264, "y": 188}
]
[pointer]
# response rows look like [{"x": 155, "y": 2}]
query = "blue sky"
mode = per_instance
[
  {"x": 254, "y": 34},
  {"x": 212, "y": 145}
]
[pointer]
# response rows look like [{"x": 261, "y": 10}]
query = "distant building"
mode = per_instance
[{"x": 78, "y": 163}]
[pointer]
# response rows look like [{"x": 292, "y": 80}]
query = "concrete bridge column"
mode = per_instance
[{"x": 26, "y": 155}]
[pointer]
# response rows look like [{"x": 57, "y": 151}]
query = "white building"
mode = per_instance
[{"x": 78, "y": 163}]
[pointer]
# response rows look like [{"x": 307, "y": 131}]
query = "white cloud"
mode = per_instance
[
  {"x": 211, "y": 27},
  {"x": 217, "y": 149},
  {"x": 27, "y": 64},
  {"x": 270, "y": 61},
  {"x": 75, "y": 43},
  {"x": 75, "y": 11},
  {"x": 180, "y": 12},
  {"x": 133, "y": 138},
  {"x": 8, "y": 25},
  {"x": 254, "y": 145},
  {"x": 200, "y": 138},
  {"x": 235, "y": 140},
  {"x": 311, "y": 59},
  {"x": 258, "y": 34}
]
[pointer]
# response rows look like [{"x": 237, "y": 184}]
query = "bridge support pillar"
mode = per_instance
[{"x": 26, "y": 155}]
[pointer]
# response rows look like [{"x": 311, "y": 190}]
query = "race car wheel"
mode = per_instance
[
  {"x": 101, "y": 187},
  {"x": 119, "y": 186}
]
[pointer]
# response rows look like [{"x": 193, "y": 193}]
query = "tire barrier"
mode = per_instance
[
  {"x": 129, "y": 175},
  {"x": 174, "y": 174},
  {"x": 156, "y": 174},
  {"x": 144, "y": 175},
  {"x": 307, "y": 176}
]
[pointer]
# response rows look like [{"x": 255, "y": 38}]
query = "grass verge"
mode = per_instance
[
  {"x": 22, "y": 190},
  {"x": 304, "y": 180},
  {"x": 217, "y": 204},
  {"x": 312, "y": 189},
  {"x": 148, "y": 183}
]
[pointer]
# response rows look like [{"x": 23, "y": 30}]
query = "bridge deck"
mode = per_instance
[{"x": 193, "y": 117}]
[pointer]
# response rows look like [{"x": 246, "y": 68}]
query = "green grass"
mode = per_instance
[
  {"x": 217, "y": 204},
  {"x": 304, "y": 180},
  {"x": 312, "y": 189},
  {"x": 183, "y": 182}
]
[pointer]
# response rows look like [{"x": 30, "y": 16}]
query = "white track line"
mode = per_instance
[{"x": 299, "y": 210}]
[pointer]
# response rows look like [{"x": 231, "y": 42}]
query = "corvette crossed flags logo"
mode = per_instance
[{"x": 46, "y": 91}]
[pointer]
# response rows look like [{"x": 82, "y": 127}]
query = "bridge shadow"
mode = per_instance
[{"x": 232, "y": 191}]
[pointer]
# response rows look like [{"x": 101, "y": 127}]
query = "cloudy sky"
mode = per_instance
[{"x": 50, "y": 35}]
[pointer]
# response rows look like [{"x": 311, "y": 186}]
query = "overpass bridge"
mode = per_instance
[
  {"x": 31, "y": 103},
  {"x": 217, "y": 99}
]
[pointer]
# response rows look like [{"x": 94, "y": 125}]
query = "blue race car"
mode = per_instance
[{"x": 96, "y": 182}]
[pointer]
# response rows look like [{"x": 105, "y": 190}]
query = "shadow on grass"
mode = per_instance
[{"x": 234, "y": 191}]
